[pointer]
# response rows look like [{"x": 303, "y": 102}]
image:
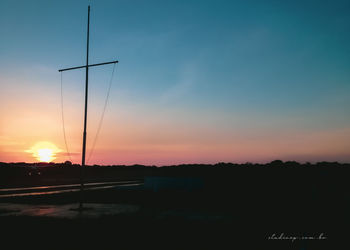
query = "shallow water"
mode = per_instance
[
  {"x": 43, "y": 190},
  {"x": 69, "y": 211}
]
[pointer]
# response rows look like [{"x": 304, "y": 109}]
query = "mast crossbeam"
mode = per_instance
[{"x": 91, "y": 65}]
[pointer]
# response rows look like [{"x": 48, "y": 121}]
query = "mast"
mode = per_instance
[
  {"x": 85, "y": 113},
  {"x": 86, "y": 104}
]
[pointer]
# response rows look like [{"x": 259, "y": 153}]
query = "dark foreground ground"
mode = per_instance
[{"x": 237, "y": 208}]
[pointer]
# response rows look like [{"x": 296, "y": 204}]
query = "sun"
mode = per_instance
[
  {"x": 45, "y": 154},
  {"x": 44, "y": 151}
]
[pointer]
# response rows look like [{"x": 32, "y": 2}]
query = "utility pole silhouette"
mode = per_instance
[{"x": 85, "y": 110}]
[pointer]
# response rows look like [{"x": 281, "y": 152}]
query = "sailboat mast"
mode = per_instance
[
  {"x": 85, "y": 110},
  {"x": 86, "y": 104}
]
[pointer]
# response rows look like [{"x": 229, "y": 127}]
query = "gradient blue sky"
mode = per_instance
[{"x": 198, "y": 81}]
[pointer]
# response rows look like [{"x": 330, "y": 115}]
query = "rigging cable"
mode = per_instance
[
  {"x": 103, "y": 113},
  {"x": 63, "y": 125}
]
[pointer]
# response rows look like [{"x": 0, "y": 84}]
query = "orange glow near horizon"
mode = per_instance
[
  {"x": 44, "y": 151},
  {"x": 171, "y": 138}
]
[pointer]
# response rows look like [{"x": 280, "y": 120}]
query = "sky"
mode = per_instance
[{"x": 197, "y": 81}]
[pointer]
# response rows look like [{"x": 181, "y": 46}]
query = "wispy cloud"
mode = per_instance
[
  {"x": 7, "y": 141},
  {"x": 186, "y": 82}
]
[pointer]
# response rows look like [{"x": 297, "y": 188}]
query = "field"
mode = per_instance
[{"x": 273, "y": 206}]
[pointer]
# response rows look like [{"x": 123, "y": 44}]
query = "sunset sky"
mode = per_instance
[{"x": 198, "y": 81}]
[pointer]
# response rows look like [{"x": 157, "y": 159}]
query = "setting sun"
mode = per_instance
[
  {"x": 45, "y": 154},
  {"x": 44, "y": 151}
]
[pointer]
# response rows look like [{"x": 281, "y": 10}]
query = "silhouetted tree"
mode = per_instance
[{"x": 276, "y": 163}]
